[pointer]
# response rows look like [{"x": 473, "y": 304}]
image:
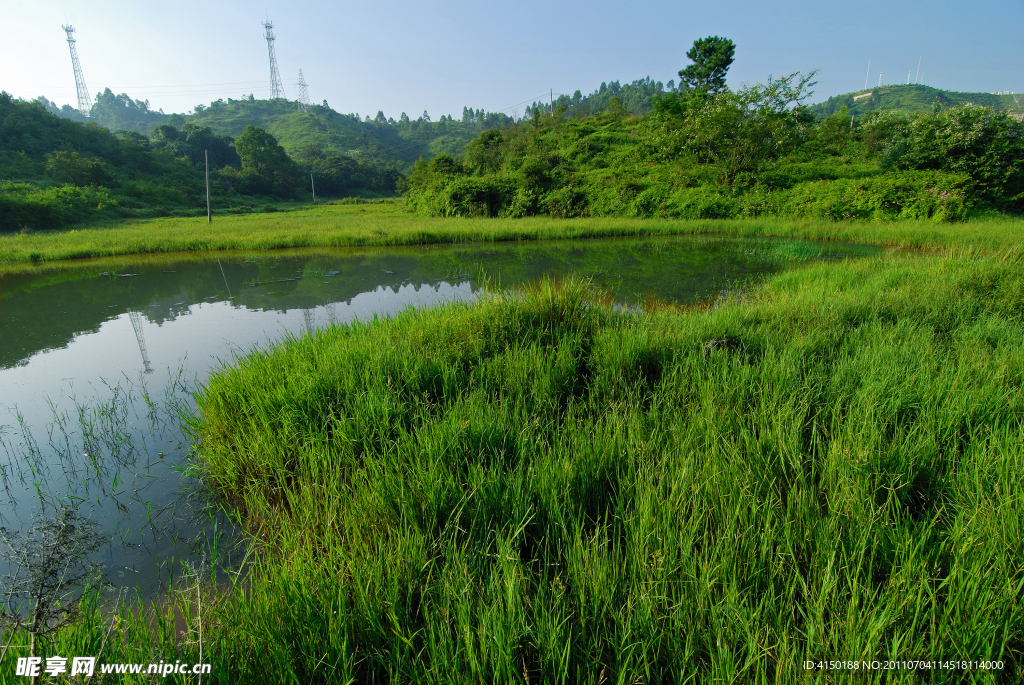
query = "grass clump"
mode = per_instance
[{"x": 536, "y": 487}]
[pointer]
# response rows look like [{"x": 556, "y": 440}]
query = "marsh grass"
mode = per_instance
[
  {"x": 386, "y": 224},
  {"x": 535, "y": 487}
]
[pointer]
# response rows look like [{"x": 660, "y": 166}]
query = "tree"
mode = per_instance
[
  {"x": 73, "y": 168},
  {"x": 711, "y": 58},
  {"x": 264, "y": 161}
]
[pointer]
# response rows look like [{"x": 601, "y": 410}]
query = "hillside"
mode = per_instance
[
  {"x": 733, "y": 154},
  {"x": 385, "y": 141},
  {"x": 913, "y": 98},
  {"x": 55, "y": 171},
  {"x": 380, "y": 140}
]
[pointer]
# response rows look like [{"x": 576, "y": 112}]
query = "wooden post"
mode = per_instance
[{"x": 206, "y": 157}]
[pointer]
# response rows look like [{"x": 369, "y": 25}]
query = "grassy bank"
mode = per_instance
[
  {"x": 386, "y": 224},
  {"x": 536, "y": 488}
]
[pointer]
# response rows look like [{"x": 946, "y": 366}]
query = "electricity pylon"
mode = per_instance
[
  {"x": 303, "y": 93},
  {"x": 84, "y": 99},
  {"x": 136, "y": 318},
  {"x": 276, "y": 86}
]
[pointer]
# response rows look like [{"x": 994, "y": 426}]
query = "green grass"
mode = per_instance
[
  {"x": 537, "y": 487},
  {"x": 386, "y": 224}
]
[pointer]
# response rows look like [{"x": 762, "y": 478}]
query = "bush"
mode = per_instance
[
  {"x": 23, "y": 205},
  {"x": 701, "y": 203},
  {"x": 898, "y": 195},
  {"x": 972, "y": 140}
]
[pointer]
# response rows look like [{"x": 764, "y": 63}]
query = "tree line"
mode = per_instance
[
  {"x": 55, "y": 171},
  {"x": 704, "y": 150}
]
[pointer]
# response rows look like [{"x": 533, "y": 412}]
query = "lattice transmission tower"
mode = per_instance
[
  {"x": 276, "y": 86},
  {"x": 136, "y": 319},
  {"x": 303, "y": 93},
  {"x": 84, "y": 99}
]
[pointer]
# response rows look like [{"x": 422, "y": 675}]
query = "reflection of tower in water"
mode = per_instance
[
  {"x": 332, "y": 314},
  {"x": 307, "y": 320},
  {"x": 136, "y": 319}
]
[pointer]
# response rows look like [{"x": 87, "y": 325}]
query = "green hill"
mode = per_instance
[
  {"x": 913, "y": 98},
  {"x": 379, "y": 139}
]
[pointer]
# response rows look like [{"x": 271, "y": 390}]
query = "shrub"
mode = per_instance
[
  {"x": 898, "y": 195},
  {"x": 23, "y": 205}
]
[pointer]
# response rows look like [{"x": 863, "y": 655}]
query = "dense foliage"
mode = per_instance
[
  {"x": 753, "y": 152},
  {"x": 380, "y": 140},
  {"x": 55, "y": 171},
  {"x": 636, "y": 98}
]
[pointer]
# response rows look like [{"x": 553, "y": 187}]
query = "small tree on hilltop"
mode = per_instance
[{"x": 711, "y": 58}]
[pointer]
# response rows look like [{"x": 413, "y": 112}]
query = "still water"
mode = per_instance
[{"x": 98, "y": 360}]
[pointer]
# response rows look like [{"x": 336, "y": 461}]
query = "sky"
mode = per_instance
[{"x": 409, "y": 57}]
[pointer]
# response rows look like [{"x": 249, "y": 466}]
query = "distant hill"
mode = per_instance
[
  {"x": 382, "y": 140},
  {"x": 913, "y": 98}
]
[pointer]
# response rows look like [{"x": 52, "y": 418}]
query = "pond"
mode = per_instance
[{"x": 98, "y": 359}]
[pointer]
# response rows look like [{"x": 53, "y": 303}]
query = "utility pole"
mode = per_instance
[
  {"x": 206, "y": 158},
  {"x": 311, "y": 185},
  {"x": 867, "y": 75},
  {"x": 84, "y": 99},
  {"x": 551, "y": 95}
]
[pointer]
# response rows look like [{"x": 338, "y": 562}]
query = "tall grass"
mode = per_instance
[
  {"x": 361, "y": 225},
  {"x": 536, "y": 488}
]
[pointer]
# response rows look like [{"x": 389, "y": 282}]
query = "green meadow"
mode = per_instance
[
  {"x": 540, "y": 487},
  {"x": 383, "y": 224}
]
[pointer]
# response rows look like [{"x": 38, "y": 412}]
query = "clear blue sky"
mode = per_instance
[{"x": 439, "y": 56}]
